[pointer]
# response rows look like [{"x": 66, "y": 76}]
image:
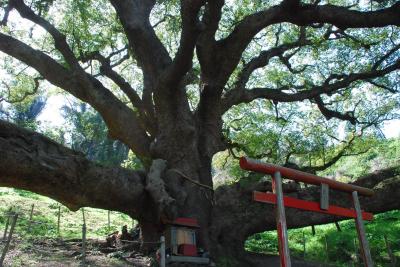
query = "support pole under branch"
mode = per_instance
[
  {"x": 362, "y": 238},
  {"x": 162, "y": 251},
  {"x": 281, "y": 221}
]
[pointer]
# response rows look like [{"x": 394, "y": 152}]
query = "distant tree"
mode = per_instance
[
  {"x": 24, "y": 113},
  {"x": 88, "y": 134}
]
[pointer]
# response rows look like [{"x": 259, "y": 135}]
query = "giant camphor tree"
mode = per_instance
[{"x": 165, "y": 74}]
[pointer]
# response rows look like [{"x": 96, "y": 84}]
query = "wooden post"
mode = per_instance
[
  {"x": 324, "y": 199},
  {"x": 162, "y": 251},
  {"x": 109, "y": 221},
  {"x": 83, "y": 216},
  {"x": 284, "y": 252},
  {"x": 390, "y": 253},
  {"x": 58, "y": 219},
  {"x": 7, "y": 245},
  {"x": 83, "y": 237},
  {"x": 83, "y": 243},
  {"x": 30, "y": 218},
  {"x": 304, "y": 245},
  {"x": 313, "y": 230},
  {"x": 326, "y": 248},
  {"x": 365, "y": 252},
  {"x": 6, "y": 227},
  {"x": 8, "y": 216},
  {"x": 356, "y": 252},
  {"x": 338, "y": 227}
]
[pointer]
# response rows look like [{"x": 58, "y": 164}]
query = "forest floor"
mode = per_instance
[
  {"x": 44, "y": 242},
  {"x": 56, "y": 252}
]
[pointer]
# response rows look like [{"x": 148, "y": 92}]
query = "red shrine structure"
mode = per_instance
[
  {"x": 181, "y": 244},
  {"x": 280, "y": 201}
]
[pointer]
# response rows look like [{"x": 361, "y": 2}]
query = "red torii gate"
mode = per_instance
[{"x": 323, "y": 206}]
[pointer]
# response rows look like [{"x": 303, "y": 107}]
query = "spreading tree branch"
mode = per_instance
[
  {"x": 33, "y": 162},
  {"x": 329, "y": 114},
  {"x": 9, "y": 99},
  {"x": 161, "y": 74},
  {"x": 342, "y": 153},
  {"x": 332, "y": 84},
  {"x": 264, "y": 57},
  {"x": 122, "y": 122},
  {"x": 60, "y": 41},
  {"x": 379, "y": 62},
  {"x": 7, "y": 11},
  {"x": 150, "y": 53},
  {"x": 232, "y": 47},
  {"x": 191, "y": 29},
  {"x": 106, "y": 69},
  {"x": 206, "y": 44}
]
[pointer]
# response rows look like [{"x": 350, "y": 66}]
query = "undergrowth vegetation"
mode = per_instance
[
  {"x": 337, "y": 247},
  {"x": 45, "y": 217}
]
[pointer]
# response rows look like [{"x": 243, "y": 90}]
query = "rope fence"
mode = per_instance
[{"x": 19, "y": 217}]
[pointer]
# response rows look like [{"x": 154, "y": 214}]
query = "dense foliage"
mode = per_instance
[
  {"x": 88, "y": 134},
  {"x": 340, "y": 248},
  {"x": 305, "y": 84},
  {"x": 326, "y": 54}
]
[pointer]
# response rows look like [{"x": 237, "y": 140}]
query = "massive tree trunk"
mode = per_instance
[
  {"x": 176, "y": 142},
  {"x": 227, "y": 215}
]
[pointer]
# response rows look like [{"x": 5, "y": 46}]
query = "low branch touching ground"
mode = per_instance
[{"x": 33, "y": 162}]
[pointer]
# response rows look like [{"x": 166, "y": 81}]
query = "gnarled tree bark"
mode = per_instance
[
  {"x": 159, "y": 125},
  {"x": 33, "y": 162}
]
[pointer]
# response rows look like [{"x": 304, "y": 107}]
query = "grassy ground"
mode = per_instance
[
  {"x": 40, "y": 243},
  {"x": 329, "y": 245},
  {"x": 46, "y": 211}
]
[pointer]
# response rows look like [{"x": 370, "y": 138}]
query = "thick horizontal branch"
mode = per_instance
[
  {"x": 329, "y": 114},
  {"x": 264, "y": 57},
  {"x": 33, "y": 162},
  {"x": 304, "y": 15},
  {"x": 234, "y": 204},
  {"x": 344, "y": 18},
  {"x": 331, "y": 84},
  {"x": 233, "y": 46}
]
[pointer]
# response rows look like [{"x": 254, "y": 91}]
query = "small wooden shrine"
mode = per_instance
[{"x": 181, "y": 244}]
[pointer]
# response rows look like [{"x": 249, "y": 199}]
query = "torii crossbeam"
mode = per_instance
[{"x": 277, "y": 198}]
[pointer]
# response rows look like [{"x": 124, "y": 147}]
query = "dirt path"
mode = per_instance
[{"x": 55, "y": 253}]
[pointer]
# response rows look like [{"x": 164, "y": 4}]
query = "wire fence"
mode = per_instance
[
  {"x": 58, "y": 221},
  {"x": 24, "y": 220}
]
